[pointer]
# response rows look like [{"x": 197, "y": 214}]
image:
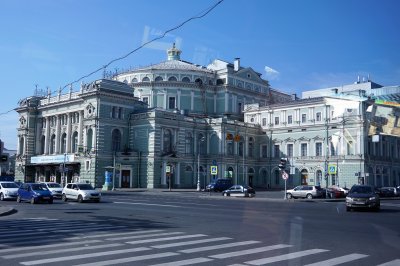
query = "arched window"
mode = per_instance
[
  {"x": 251, "y": 147},
  {"x": 74, "y": 142},
  {"x": 63, "y": 143},
  {"x": 172, "y": 78},
  {"x": 116, "y": 140},
  {"x": 186, "y": 79},
  {"x": 21, "y": 145},
  {"x": 189, "y": 143},
  {"x": 220, "y": 81},
  {"x": 89, "y": 139},
  {"x": 167, "y": 141},
  {"x": 198, "y": 81},
  {"x": 134, "y": 80},
  {"x": 145, "y": 79},
  {"x": 158, "y": 79},
  {"x": 53, "y": 144},
  {"x": 42, "y": 144}
]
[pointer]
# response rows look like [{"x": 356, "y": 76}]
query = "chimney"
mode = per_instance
[
  {"x": 236, "y": 64},
  {"x": 294, "y": 97}
]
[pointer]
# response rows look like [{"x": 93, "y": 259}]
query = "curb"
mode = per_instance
[{"x": 7, "y": 211}]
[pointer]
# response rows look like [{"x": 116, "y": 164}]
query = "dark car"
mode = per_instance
[
  {"x": 239, "y": 190},
  {"x": 362, "y": 196},
  {"x": 385, "y": 192},
  {"x": 34, "y": 193},
  {"x": 219, "y": 184}
]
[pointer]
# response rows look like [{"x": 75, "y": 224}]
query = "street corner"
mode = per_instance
[{"x": 4, "y": 211}]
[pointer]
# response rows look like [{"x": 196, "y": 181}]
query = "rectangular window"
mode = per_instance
[
  {"x": 171, "y": 103},
  {"x": 264, "y": 151},
  {"x": 318, "y": 149},
  {"x": 318, "y": 116},
  {"x": 303, "y": 149},
  {"x": 303, "y": 118},
  {"x": 276, "y": 120},
  {"x": 277, "y": 151},
  {"x": 264, "y": 122},
  {"x": 350, "y": 149},
  {"x": 120, "y": 113},
  {"x": 290, "y": 150},
  {"x": 290, "y": 119},
  {"x": 145, "y": 100}
]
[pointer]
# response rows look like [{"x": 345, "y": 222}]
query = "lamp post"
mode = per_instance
[
  {"x": 198, "y": 162},
  {"x": 64, "y": 177}
]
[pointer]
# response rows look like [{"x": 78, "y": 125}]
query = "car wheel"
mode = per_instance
[
  {"x": 33, "y": 200},
  {"x": 289, "y": 196},
  {"x": 64, "y": 197},
  {"x": 18, "y": 199},
  {"x": 80, "y": 199},
  {"x": 377, "y": 208},
  {"x": 309, "y": 196},
  {"x": 226, "y": 194},
  {"x": 348, "y": 208},
  {"x": 1, "y": 196},
  {"x": 50, "y": 201}
]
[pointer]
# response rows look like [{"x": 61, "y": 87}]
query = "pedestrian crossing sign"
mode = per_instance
[
  {"x": 332, "y": 169},
  {"x": 214, "y": 170}
]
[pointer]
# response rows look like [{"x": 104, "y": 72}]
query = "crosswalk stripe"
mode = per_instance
[
  {"x": 142, "y": 236},
  {"x": 248, "y": 251},
  {"x": 288, "y": 256},
  {"x": 164, "y": 239},
  {"x": 55, "y": 251},
  {"x": 338, "y": 260},
  {"x": 84, "y": 256},
  {"x": 235, "y": 244},
  {"x": 184, "y": 262},
  {"x": 147, "y": 204},
  {"x": 99, "y": 227},
  {"x": 115, "y": 234},
  {"x": 19, "y": 249},
  {"x": 185, "y": 243},
  {"x": 391, "y": 263},
  {"x": 130, "y": 259}
]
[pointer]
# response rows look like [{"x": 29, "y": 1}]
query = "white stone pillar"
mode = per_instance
[
  {"x": 58, "y": 133},
  {"x": 68, "y": 137},
  {"x": 47, "y": 136}
]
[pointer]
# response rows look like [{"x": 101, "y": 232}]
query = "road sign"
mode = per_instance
[
  {"x": 168, "y": 169},
  {"x": 332, "y": 169},
  {"x": 285, "y": 175},
  {"x": 214, "y": 170}
]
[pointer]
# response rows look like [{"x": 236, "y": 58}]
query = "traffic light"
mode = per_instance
[{"x": 282, "y": 164}]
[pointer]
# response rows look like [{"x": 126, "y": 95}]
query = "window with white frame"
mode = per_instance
[
  {"x": 277, "y": 151},
  {"x": 303, "y": 149},
  {"x": 145, "y": 100},
  {"x": 290, "y": 119},
  {"x": 318, "y": 149},
  {"x": 171, "y": 103},
  {"x": 264, "y": 151},
  {"x": 318, "y": 116},
  {"x": 303, "y": 118},
  {"x": 264, "y": 121},
  {"x": 276, "y": 120},
  {"x": 289, "y": 151}
]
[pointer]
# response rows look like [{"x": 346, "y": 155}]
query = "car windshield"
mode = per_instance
[
  {"x": 9, "y": 185},
  {"x": 53, "y": 185},
  {"x": 361, "y": 190},
  {"x": 38, "y": 187},
  {"x": 85, "y": 187}
]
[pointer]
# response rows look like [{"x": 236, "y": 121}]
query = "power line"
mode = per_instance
[{"x": 199, "y": 16}]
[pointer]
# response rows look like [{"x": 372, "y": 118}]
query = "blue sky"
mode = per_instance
[{"x": 296, "y": 45}]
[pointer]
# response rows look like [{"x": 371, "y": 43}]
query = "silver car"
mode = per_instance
[
  {"x": 55, "y": 189},
  {"x": 304, "y": 191},
  {"x": 80, "y": 192},
  {"x": 8, "y": 190}
]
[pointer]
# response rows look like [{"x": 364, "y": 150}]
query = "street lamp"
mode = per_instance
[
  {"x": 198, "y": 162},
  {"x": 64, "y": 177}
]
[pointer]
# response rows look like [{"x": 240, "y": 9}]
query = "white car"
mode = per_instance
[
  {"x": 55, "y": 189},
  {"x": 80, "y": 192},
  {"x": 8, "y": 190}
]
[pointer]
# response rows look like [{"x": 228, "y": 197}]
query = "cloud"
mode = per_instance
[{"x": 271, "y": 73}]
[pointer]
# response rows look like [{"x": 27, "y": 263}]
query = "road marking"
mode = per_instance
[
  {"x": 235, "y": 244},
  {"x": 115, "y": 234},
  {"x": 197, "y": 204},
  {"x": 184, "y": 262},
  {"x": 339, "y": 260},
  {"x": 52, "y": 251},
  {"x": 84, "y": 256},
  {"x": 163, "y": 239},
  {"x": 391, "y": 263},
  {"x": 148, "y": 204},
  {"x": 142, "y": 236},
  {"x": 19, "y": 249},
  {"x": 130, "y": 259},
  {"x": 191, "y": 242},
  {"x": 85, "y": 229},
  {"x": 248, "y": 251},
  {"x": 288, "y": 256}
]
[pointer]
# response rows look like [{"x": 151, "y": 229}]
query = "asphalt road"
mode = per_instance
[{"x": 186, "y": 228}]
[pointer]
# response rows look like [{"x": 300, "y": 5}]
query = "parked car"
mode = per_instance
[
  {"x": 80, "y": 192},
  {"x": 219, "y": 184},
  {"x": 362, "y": 196},
  {"x": 55, "y": 189},
  {"x": 335, "y": 192},
  {"x": 304, "y": 191},
  {"x": 385, "y": 192},
  {"x": 34, "y": 193},
  {"x": 239, "y": 190},
  {"x": 8, "y": 190}
]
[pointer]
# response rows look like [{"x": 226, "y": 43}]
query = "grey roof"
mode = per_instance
[{"x": 174, "y": 65}]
